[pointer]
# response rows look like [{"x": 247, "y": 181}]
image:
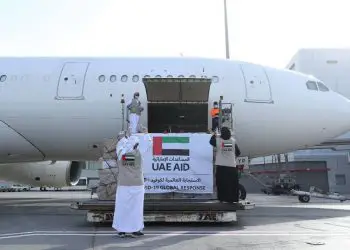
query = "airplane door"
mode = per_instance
[
  {"x": 72, "y": 81},
  {"x": 257, "y": 84}
]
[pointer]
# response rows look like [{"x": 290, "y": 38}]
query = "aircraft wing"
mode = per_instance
[{"x": 335, "y": 142}]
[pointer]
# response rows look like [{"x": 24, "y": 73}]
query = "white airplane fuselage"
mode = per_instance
[{"x": 63, "y": 108}]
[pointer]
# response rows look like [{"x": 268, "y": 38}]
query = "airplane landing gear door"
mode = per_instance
[
  {"x": 257, "y": 84},
  {"x": 72, "y": 80}
]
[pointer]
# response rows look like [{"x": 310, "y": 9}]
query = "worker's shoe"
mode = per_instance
[
  {"x": 121, "y": 235},
  {"x": 137, "y": 234}
]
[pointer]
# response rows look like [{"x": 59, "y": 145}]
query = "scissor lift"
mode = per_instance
[{"x": 226, "y": 116}]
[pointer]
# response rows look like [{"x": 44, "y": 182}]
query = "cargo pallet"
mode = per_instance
[{"x": 175, "y": 210}]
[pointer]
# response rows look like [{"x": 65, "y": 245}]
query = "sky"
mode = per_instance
[{"x": 267, "y": 32}]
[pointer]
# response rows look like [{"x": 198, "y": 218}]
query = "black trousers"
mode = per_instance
[
  {"x": 227, "y": 183},
  {"x": 214, "y": 123}
]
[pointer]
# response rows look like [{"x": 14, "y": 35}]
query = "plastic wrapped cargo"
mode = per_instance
[{"x": 107, "y": 186}]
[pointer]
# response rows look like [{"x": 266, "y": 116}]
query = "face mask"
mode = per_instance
[
  {"x": 215, "y": 106},
  {"x": 136, "y": 97}
]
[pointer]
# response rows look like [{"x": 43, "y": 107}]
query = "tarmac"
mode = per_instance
[{"x": 44, "y": 221}]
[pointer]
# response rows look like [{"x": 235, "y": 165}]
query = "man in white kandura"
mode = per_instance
[
  {"x": 129, "y": 202},
  {"x": 134, "y": 112}
]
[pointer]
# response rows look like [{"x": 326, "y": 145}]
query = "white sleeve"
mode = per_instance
[
  {"x": 147, "y": 143},
  {"x": 120, "y": 148}
]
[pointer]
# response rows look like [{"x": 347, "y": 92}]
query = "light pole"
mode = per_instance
[{"x": 227, "y": 45}]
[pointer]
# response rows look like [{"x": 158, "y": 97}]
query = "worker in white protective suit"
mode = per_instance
[
  {"x": 134, "y": 110},
  {"x": 129, "y": 202}
]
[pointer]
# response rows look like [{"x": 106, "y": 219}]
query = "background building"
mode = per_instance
[{"x": 329, "y": 65}]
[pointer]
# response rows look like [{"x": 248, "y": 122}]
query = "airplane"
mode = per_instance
[{"x": 55, "y": 113}]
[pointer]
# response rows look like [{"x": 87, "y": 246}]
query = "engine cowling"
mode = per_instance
[{"x": 45, "y": 173}]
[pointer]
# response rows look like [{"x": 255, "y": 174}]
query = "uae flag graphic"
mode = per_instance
[
  {"x": 171, "y": 145},
  {"x": 226, "y": 145},
  {"x": 128, "y": 157}
]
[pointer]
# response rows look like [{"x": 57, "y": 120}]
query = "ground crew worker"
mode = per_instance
[
  {"x": 227, "y": 182},
  {"x": 129, "y": 201},
  {"x": 134, "y": 109},
  {"x": 214, "y": 116}
]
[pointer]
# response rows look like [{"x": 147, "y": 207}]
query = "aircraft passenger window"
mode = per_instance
[
  {"x": 124, "y": 78},
  {"x": 322, "y": 87},
  {"x": 113, "y": 78},
  {"x": 135, "y": 78},
  {"x": 101, "y": 78},
  {"x": 311, "y": 85},
  {"x": 3, "y": 78}
]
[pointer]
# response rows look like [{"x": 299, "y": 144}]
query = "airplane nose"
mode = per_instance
[{"x": 338, "y": 115}]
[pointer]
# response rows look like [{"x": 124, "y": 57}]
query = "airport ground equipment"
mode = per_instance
[
  {"x": 166, "y": 207},
  {"x": 314, "y": 192},
  {"x": 175, "y": 206},
  {"x": 281, "y": 186},
  {"x": 172, "y": 208},
  {"x": 168, "y": 210}
]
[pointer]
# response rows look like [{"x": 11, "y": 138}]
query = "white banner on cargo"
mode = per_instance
[{"x": 181, "y": 162}]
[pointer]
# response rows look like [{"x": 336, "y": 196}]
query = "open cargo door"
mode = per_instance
[
  {"x": 181, "y": 90},
  {"x": 177, "y": 104}
]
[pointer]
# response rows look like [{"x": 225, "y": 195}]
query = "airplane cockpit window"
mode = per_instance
[
  {"x": 311, "y": 85},
  {"x": 322, "y": 87}
]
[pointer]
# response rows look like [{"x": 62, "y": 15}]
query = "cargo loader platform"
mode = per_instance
[{"x": 174, "y": 210}]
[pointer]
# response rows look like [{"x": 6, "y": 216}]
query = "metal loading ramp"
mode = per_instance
[
  {"x": 168, "y": 205},
  {"x": 175, "y": 210}
]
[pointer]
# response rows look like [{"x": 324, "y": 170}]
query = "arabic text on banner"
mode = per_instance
[{"x": 181, "y": 162}]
